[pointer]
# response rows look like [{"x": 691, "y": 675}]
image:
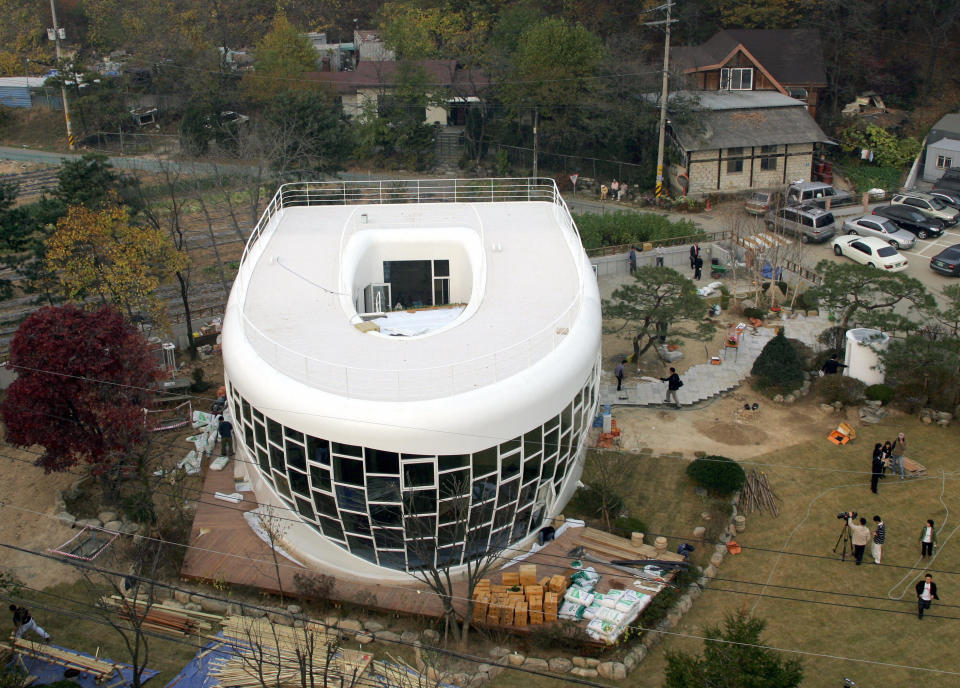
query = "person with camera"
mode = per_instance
[
  {"x": 926, "y": 593},
  {"x": 860, "y": 535},
  {"x": 879, "y": 537}
]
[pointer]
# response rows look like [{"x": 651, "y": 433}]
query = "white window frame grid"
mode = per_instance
[{"x": 728, "y": 75}]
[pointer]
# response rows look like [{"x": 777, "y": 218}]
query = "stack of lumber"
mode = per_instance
[
  {"x": 757, "y": 495},
  {"x": 520, "y": 600},
  {"x": 276, "y": 650},
  {"x": 551, "y": 604},
  {"x": 399, "y": 674},
  {"x": 156, "y": 617},
  {"x": 481, "y": 600},
  {"x": 98, "y": 668}
]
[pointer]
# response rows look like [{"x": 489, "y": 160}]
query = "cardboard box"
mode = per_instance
[
  {"x": 528, "y": 574},
  {"x": 510, "y": 579}
]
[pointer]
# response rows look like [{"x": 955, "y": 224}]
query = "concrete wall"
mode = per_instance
[
  {"x": 704, "y": 165},
  {"x": 676, "y": 257},
  {"x": 931, "y": 172}
]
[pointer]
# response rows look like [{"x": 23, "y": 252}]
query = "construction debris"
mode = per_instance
[
  {"x": 98, "y": 668},
  {"x": 170, "y": 620},
  {"x": 757, "y": 495}
]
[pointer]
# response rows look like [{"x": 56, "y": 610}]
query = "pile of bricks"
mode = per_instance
[{"x": 520, "y": 599}]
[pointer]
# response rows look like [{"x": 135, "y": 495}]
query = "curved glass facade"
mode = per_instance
[{"x": 403, "y": 510}]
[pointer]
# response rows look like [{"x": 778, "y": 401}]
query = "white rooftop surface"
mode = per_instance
[
  {"x": 530, "y": 288},
  {"x": 416, "y": 323}
]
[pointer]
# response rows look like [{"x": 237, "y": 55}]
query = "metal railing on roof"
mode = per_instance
[{"x": 417, "y": 383}]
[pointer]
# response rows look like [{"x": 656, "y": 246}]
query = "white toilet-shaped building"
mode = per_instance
[{"x": 412, "y": 363}]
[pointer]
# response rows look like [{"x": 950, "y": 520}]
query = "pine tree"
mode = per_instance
[{"x": 778, "y": 365}]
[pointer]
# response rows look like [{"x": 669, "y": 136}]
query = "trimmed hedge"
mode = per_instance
[
  {"x": 847, "y": 390},
  {"x": 718, "y": 474},
  {"x": 882, "y": 393},
  {"x": 778, "y": 368},
  {"x": 614, "y": 229}
]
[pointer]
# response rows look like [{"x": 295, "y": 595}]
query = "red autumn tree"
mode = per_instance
[{"x": 83, "y": 380}]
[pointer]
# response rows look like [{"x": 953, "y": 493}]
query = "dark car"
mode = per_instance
[
  {"x": 947, "y": 262},
  {"x": 951, "y": 198},
  {"x": 949, "y": 181},
  {"x": 911, "y": 220}
]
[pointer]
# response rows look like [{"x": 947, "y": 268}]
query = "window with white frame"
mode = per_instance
[
  {"x": 943, "y": 162},
  {"x": 736, "y": 79}
]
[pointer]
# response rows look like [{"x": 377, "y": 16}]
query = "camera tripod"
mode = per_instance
[{"x": 847, "y": 541}]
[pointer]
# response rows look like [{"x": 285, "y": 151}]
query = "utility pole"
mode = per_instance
[
  {"x": 663, "y": 95},
  {"x": 536, "y": 121},
  {"x": 63, "y": 82}
]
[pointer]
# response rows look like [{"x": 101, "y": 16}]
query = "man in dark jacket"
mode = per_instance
[
  {"x": 225, "y": 431},
  {"x": 926, "y": 593},
  {"x": 24, "y": 622},
  {"x": 877, "y": 467},
  {"x": 673, "y": 384}
]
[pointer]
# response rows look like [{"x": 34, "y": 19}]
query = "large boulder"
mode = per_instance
[{"x": 614, "y": 671}]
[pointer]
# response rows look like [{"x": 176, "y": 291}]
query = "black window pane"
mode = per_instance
[
  {"x": 294, "y": 435},
  {"x": 484, "y": 489},
  {"x": 305, "y": 508},
  {"x": 441, "y": 268},
  {"x": 551, "y": 442},
  {"x": 479, "y": 516},
  {"x": 454, "y": 483},
  {"x": 503, "y": 517},
  {"x": 263, "y": 458},
  {"x": 548, "y": 468},
  {"x": 355, "y": 523},
  {"x": 325, "y": 505},
  {"x": 485, "y": 461},
  {"x": 420, "y": 501},
  {"x": 528, "y": 493},
  {"x": 347, "y": 449},
  {"x": 275, "y": 431},
  {"x": 449, "y": 461},
  {"x": 383, "y": 515},
  {"x": 383, "y": 489},
  {"x": 248, "y": 435},
  {"x": 453, "y": 509},
  {"x": 348, "y": 471},
  {"x": 388, "y": 538},
  {"x": 362, "y": 547},
  {"x": 321, "y": 478},
  {"x": 532, "y": 442},
  {"x": 393, "y": 560},
  {"x": 298, "y": 481},
  {"x": 508, "y": 493},
  {"x": 296, "y": 457},
  {"x": 566, "y": 418},
  {"x": 382, "y": 462},
  {"x": 420, "y": 554},
  {"x": 420, "y": 527},
  {"x": 419, "y": 474},
  {"x": 531, "y": 470},
  {"x": 351, "y": 498},
  {"x": 276, "y": 458},
  {"x": 477, "y": 542},
  {"x": 449, "y": 534},
  {"x": 499, "y": 539},
  {"x": 521, "y": 524},
  {"x": 510, "y": 466},
  {"x": 261, "y": 433},
  {"x": 246, "y": 409},
  {"x": 331, "y": 528},
  {"x": 257, "y": 415},
  {"x": 449, "y": 556},
  {"x": 318, "y": 450},
  {"x": 507, "y": 447},
  {"x": 283, "y": 487}
]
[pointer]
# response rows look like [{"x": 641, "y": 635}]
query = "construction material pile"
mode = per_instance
[
  {"x": 519, "y": 600},
  {"x": 262, "y": 648},
  {"x": 99, "y": 669},
  {"x": 609, "y": 613},
  {"x": 156, "y": 617},
  {"x": 757, "y": 495}
]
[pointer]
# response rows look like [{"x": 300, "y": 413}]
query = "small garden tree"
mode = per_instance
[
  {"x": 717, "y": 473},
  {"x": 870, "y": 294},
  {"x": 778, "y": 367},
  {"x": 655, "y": 305},
  {"x": 83, "y": 380},
  {"x": 733, "y": 656}
]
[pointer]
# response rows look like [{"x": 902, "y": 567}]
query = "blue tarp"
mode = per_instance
[
  {"x": 49, "y": 673},
  {"x": 196, "y": 674}
]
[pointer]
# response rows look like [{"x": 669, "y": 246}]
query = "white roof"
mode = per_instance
[
  {"x": 527, "y": 297},
  {"x": 21, "y": 81}
]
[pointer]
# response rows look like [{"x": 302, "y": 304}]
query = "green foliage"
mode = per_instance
[
  {"x": 614, "y": 229},
  {"x": 91, "y": 181},
  {"x": 778, "y": 367},
  {"x": 751, "y": 312},
  {"x": 717, "y": 473},
  {"x": 597, "y": 500},
  {"x": 13, "y": 676},
  {"x": 929, "y": 361},
  {"x": 847, "y": 390},
  {"x": 865, "y": 176},
  {"x": 6, "y": 117},
  {"x": 889, "y": 151},
  {"x": 878, "y": 299},
  {"x": 310, "y": 133},
  {"x": 660, "y": 302},
  {"x": 625, "y": 525},
  {"x": 807, "y": 300},
  {"x": 738, "y": 662},
  {"x": 282, "y": 56},
  {"x": 882, "y": 393}
]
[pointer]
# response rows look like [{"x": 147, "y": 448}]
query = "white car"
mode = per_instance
[{"x": 871, "y": 251}]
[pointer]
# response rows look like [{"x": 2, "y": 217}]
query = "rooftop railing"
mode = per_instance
[{"x": 435, "y": 381}]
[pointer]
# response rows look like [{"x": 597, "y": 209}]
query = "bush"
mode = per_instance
[
  {"x": 778, "y": 368},
  {"x": 804, "y": 353},
  {"x": 615, "y": 229},
  {"x": 751, "y": 312},
  {"x": 808, "y": 301},
  {"x": 882, "y": 393},
  {"x": 717, "y": 473},
  {"x": 625, "y": 525},
  {"x": 847, "y": 390},
  {"x": 591, "y": 501},
  {"x": 834, "y": 338}
]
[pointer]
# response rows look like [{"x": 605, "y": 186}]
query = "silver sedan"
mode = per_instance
[{"x": 880, "y": 228}]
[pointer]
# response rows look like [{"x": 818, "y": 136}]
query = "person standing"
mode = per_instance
[
  {"x": 659, "y": 255},
  {"x": 886, "y": 457},
  {"x": 24, "y": 622},
  {"x": 225, "y": 432},
  {"x": 897, "y": 451},
  {"x": 926, "y": 593},
  {"x": 877, "y": 467},
  {"x": 632, "y": 258},
  {"x": 694, "y": 254},
  {"x": 879, "y": 537},
  {"x": 860, "y": 535},
  {"x": 697, "y": 268},
  {"x": 618, "y": 373},
  {"x": 928, "y": 539},
  {"x": 673, "y": 384},
  {"x": 832, "y": 366}
]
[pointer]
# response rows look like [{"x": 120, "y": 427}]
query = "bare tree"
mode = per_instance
[
  {"x": 275, "y": 526},
  {"x": 440, "y": 568},
  {"x": 603, "y": 473}
]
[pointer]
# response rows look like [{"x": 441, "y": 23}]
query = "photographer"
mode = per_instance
[{"x": 860, "y": 536}]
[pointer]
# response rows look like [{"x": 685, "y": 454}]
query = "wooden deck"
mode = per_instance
[{"x": 225, "y": 550}]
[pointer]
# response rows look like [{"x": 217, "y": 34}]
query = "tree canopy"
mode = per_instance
[
  {"x": 731, "y": 659},
  {"x": 778, "y": 367},
  {"x": 282, "y": 57},
  {"x": 659, "y": 303},
  {"x": 83, "y": 379},
  {"x": 310, "y": 131}
]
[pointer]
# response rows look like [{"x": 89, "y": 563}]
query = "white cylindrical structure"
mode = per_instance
[{"x": 863, "y": 355}]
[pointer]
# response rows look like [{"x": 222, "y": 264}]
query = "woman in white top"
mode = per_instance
[{"x": 928, "y": 539}]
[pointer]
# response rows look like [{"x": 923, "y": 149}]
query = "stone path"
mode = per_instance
[{"x": 704, "y": 381}]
